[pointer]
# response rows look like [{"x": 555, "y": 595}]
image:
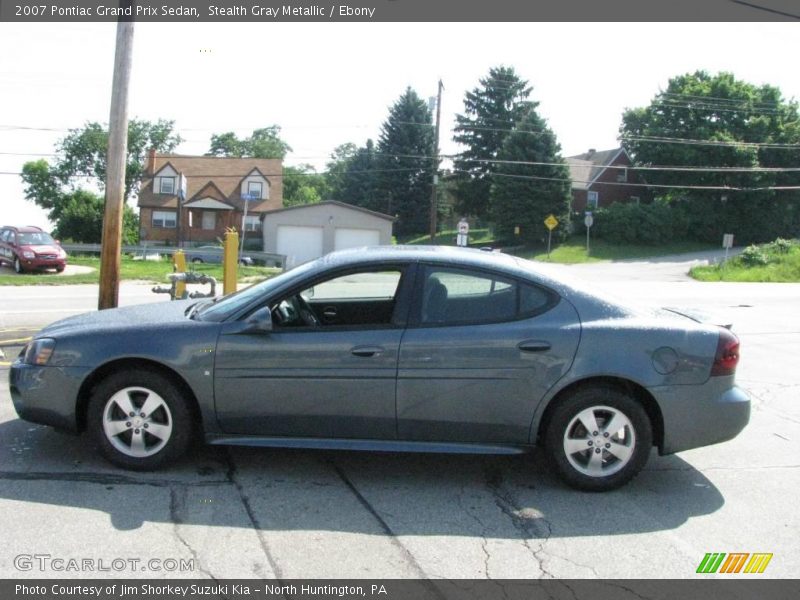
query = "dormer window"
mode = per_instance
[
  {"x": 167, "y": 185},
  {"x": 255, "y": 189}
]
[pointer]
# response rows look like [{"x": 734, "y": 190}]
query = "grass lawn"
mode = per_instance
[
  {"x": 781, "y": 267},
  {"x": 144, "y": 270},
  {"x": 448, "y": 238},
  {"x": 574, "y": 251}
]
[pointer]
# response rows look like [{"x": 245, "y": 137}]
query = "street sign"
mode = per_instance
[
  {"x": 551, "y": 222},
  {"x": 727, "y": 240},
  {"x": 588, "y": 220},
  {"x": 463, "y": 226},
  {"x": 461, "y": 240}
]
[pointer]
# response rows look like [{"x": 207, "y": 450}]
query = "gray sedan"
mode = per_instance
[
  {"x": 392, "y": 348},
  {"x": 212, "y": 255}
]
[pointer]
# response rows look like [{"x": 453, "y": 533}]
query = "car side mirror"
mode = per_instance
[{"x": 260, "y": 321}]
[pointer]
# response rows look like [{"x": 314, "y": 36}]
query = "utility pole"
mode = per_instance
[
  {"x": 436, "y": 162},
  {"x": 115, "y": 172}
]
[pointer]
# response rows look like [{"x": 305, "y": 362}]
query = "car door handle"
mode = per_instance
[
  {"x": 534, "y": 346},
  {"x": 329, "y": 312},
  {"x": 366, "y": 351}
]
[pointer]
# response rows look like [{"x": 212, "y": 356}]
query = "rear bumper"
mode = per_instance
[
  {"x": 701, "y": 415},
  {"x": 46, "y": 395}
]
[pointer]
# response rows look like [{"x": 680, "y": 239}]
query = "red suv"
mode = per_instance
[{"x": 30, "y": 249}]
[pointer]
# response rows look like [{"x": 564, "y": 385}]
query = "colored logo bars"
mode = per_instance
[{"x": 736, "y": 562}]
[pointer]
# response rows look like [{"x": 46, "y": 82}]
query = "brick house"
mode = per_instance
[
  {"x": 214, "y": 202},
  {"x": 597, "y": 177}
]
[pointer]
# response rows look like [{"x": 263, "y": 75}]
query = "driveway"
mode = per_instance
[{"x": 249, "y": 512}]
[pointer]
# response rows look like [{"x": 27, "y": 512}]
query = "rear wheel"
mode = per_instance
[
  {"x": 598, "y": 438},
  {"x": 17, "y": 265},
  {"x": 140, "y": 420}
]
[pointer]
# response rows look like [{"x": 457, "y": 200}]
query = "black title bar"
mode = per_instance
[{"x": 265, "y": 11}]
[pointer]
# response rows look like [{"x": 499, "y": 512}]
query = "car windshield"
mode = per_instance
[
  {"x": 226, "y": 306},
  {"x": 36, "y": 238}
]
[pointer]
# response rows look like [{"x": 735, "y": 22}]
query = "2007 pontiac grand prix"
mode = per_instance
[{"x": 397, "y": 349}]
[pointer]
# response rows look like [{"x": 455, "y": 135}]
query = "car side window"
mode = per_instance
[
  {"x": 460, "y": 296},
  {"x": 357, "y": 299}
]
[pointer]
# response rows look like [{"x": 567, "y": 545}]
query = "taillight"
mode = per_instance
[{"x": 727, "y": 356}]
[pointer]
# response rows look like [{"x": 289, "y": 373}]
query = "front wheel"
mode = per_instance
[
  {"x": 598, "y": 438},
  {"x": 17, "y": 265},
  {"x": 140, "y": 420}
]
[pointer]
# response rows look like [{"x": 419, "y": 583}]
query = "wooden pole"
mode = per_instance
[
  {"x": 435, "y": 163},
  {"x": 115, "y": 173}
]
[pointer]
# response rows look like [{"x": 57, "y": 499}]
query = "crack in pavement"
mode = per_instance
[
  {"x": 527, "y": 527},
  {"x": 177, "y": 512},
  {"x": 484, "y": 544},
  {"x": 376, "y": 515},
  {"x": 104, "y": 479}
]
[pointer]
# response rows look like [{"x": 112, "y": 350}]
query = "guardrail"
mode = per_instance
[{"x": 267, "y": 258}]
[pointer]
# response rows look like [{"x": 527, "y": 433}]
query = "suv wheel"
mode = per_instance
[
  {"x": 139, "y": 420},
  {"x": 17, "y": 265},
  {"x": 598, "y": 438}
]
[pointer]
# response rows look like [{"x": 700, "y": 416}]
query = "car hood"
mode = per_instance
[
  {"x": 142, "y": 316},
  {"x": 43, "y": 249}
]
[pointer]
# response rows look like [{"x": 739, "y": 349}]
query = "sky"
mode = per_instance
[{"x": 330, "y": 83}]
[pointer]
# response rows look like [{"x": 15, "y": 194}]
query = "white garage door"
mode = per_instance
[
  {"x": 355, "y": 238},
  {"x": 299, "y": 244}
]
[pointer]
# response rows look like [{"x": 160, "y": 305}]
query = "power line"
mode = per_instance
[{"x": 648, "y": 185}]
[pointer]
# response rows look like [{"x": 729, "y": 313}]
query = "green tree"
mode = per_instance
[
  {"x": 80, "y": 219},
  {"x": 337, "y": 166},
  {"x": 491, "y": 111},
  {"x": 405, "y": 169},
  {"x": 303, "y": 185},
  {"x": 262, "y": 143},
  {"x": 356, "y": 179},
  {"x": 81, "y": 159},
  {"x": 83, "y": 152},
  {"x": 727, "y": 120},
  {"x": 523, "y": 195}
]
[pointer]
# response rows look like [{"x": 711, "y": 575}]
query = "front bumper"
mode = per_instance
[
  {"x": 46, "y": 395},
  {"x": 35, "y": 264},
  {"x": 701, "y": 415}
]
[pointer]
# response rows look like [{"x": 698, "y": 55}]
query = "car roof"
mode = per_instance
[
  {"x": 25, "y": 229},
  {"x": 446, "y": 255}
]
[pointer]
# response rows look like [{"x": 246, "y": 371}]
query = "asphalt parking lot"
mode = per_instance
[{"x": 279, "y": 513}]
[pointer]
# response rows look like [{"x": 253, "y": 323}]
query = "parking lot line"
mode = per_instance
[{"x": 14, "y": 342}]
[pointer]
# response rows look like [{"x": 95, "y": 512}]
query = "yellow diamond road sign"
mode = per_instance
[{"x": 551, "y": 222}]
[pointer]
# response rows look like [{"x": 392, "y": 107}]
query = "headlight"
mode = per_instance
[
  {"x": 38, "y": 352},
  {"x": 28, "y": 254}
]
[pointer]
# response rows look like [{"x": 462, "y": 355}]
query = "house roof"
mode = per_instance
[
  {"x": 225, "y": 173},
  {"x": 585, "y": 168},
  {"x": 331, "y": 203}
]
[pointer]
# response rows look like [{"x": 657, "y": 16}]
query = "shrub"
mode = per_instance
[
  {"x": 781, "y": 246},
  {"x": 754, "y": 256},
  {"x": 651, "y": 224}
]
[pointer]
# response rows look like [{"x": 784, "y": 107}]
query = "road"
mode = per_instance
[{"x": 280, "y": 513}]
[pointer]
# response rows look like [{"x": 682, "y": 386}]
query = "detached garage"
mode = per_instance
[{"x": 309, "y": 231}]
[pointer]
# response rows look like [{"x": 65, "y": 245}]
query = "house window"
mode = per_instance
[
  {"x": 622, "y": 175},
  {"x": 164, "y": 219},
  {"x": 592, "y": 200},
  {"x": 209, "y": 220},
  {"x": 167, "y": 185},
  {"x": 635, "y": 199},
  {"x": 252, "y": 223},
  {"x": 255, "y": 189}
]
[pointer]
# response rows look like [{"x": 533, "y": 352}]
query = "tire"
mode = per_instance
[
  {"x": 18, "y": 266},
  {"x": 623, "y": 451},
  {"x": 60, "y": 269},
  {"x": 163, "y": 435}
]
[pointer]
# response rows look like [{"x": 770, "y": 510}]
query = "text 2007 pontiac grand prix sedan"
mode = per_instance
[{"x": 392, "y": 348}]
